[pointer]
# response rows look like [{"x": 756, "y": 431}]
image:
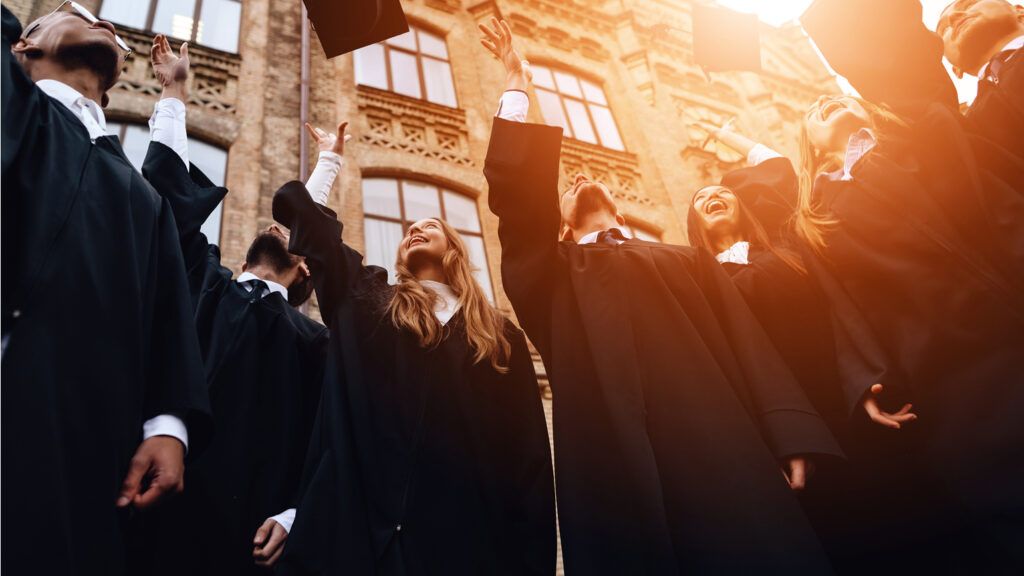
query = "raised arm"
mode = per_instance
[
  {"x": 522, "y": 173},
  {"x": 19, "y": 95},
  {"x": 884, "y": 49}
]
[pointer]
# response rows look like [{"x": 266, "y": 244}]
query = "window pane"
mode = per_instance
[
  {"x": 407, "y": 40},
  {"x": 461, "y": 211},
  {"x": 478, "y": 257},
  {"x": 567, "y": 84},
  {"x": 580, "y": 122},
  {"x": 551, "y": 109},
  {"x": 370, "y": 68},
  {"x": 542, "y": 77},
  {"x": 210, "y": 159},
  {"x": 433, "y": 45},
  {"x": 380, "y": 197},
  {"x": 135, "y": 144},
  {"x": 174, "y": 18},
  {"x": 404, "y": 75},
  {"x": 437, "y": 76},
  {"x": 127, "y": 12},
  {"x": 606, "y": 127},
  {"x": 382, "y": 239},
  {"x": 218, "y": 24},
  {"x": 420, "y": 201},
  {"x": 593, "y": 93}
]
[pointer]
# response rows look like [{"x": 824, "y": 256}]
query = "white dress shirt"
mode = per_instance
[
  {"x": 88, "y": 111},
  {"x": 761, "y": 153},
  {"x": 592, "y": 237},
  {"x": 445, "y": 307},
  {"x": 92, "y": 117},
  {"x": 328, "y": 165},
  {"x": 1015, "y": 44},
  {"x": 736, "y": 254},
  {"x": 860, "y": 143},
  {"x": 167, "y": 126},
  {"x": 513, "y": 106},
  {"x": 273, "y": 286}
]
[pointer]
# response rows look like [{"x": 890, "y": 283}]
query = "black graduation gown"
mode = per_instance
[
  {"x": 672, "y": 408},
  {"x": 264, "y": 366},
  {"x": 99, "y": 334},
  {"x": 931, "y": 248},
  {"x": 421, "y": 462}
]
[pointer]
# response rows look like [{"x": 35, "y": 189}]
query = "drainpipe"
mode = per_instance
[{"x": 304, "y": 101}]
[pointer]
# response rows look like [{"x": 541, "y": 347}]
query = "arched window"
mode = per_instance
[
  {"x": 391, "y": 205},
  {"x": 577, "y": 105},
  {"x": 415, "y": 64},
  {"x": 213, "y": 161},
  {"x": 212, "y": 23}
]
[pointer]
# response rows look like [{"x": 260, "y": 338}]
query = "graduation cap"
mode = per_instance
[
  {"x": 726, "y": 40},
  {"x": 346, "y": 25}
]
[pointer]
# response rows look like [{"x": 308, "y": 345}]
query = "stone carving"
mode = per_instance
[{"x": 418, "y": 127}]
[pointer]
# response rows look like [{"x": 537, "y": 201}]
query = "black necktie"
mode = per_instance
[
  {"x": 611, "y": 236},
  {"x": 995, "y": 65},
  {"x": 257, "y": 288}
]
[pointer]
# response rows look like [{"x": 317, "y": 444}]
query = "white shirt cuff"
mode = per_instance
[
  {"x": 167, "y": 126},
  {"x": 761, "y": 153},
  {"x": 319, "y": 185},
  {"x": 285, "y": 519},
  {"x": 166, "y": 425},
  {"x": 513, "y": 106}
]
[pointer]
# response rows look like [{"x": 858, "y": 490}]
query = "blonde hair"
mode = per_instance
[
  {"x": 812, "y": 222},
  {"x": 412, "y": 306}
]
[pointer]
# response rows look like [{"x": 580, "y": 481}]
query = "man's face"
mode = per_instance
[
  {"x": 831, "y": 120},
  {"x": 717, "y": 210},
  {"x": 69, "y": 38},
  {"x": 971, "y": 29},
  {"x": 585, "y": 199}
]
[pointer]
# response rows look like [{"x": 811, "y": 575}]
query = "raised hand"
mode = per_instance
[
  {"x": 169, "y": 68},
  {"x": 894, "y": 420},
  {"x": 498, "y": 41},
  {"x": 328, "y": 142}
]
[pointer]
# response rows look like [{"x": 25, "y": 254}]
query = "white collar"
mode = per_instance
[
  {"x": 447, "y": 302},
  {"x": 274, "y": 286},
  {"x": 1015, "y": 44},
  {"x": 736, "y": 254},
  {"x": 592, "y": 237},
  {"x": 78, "y": 104},
  {"x": 860, "y": 143}
]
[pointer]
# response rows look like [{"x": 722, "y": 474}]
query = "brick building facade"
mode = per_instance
[{"x": 246, "y": 107}]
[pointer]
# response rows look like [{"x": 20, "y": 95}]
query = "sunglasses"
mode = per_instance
[{"x": 76, "y": 8}]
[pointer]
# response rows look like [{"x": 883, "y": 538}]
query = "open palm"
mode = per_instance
[
  {"x": 169, "y": 68},
  {"x": 498, "y": 41}
]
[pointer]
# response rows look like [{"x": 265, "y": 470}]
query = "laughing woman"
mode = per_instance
[{"x": 430, "y": 452}]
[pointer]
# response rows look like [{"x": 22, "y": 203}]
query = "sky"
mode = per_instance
[{"x": 778, "y": 12}]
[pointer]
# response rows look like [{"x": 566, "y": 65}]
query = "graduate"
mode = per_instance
[
  {"x": 907, "y": 217},
  {"x": 103, "y": 384},
  {"x": 983, "y": 38},
  {"x": 676, "y": 422},
  {"x": 264, "y": 360},
  {"x": 430, "y": 451}
]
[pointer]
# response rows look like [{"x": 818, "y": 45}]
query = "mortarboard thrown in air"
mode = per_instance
[{"x": 346, "y": 25}]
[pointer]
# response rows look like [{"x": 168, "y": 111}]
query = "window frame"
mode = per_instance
[
  {"x": 419, "y": 56},
  {"x": 404, "y": 222},
  {"x": 196, "y": 13},
  {"x": 582, "y": 100}
]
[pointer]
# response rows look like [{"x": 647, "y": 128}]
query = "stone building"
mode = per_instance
[{"x": 619, "y": 74}]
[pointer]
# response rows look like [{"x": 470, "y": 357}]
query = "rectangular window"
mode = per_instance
[
  {"x": 371, "y": 70},
  {"x": 127, "y": 12},
  {"x": 218, "y": 24},
  {"x": 174, "y": 18},
  {"x": 414, "y": 64},
  {"x": 404, "y": 74},
  {"x": 211, "y": 23},
  {"x": 579, "y": 106}
]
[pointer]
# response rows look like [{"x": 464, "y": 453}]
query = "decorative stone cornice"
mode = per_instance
[
  {"x": 415, "y": 126},
  {"x": 620, "y": 171}
]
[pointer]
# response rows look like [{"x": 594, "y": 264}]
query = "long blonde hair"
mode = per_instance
[
  {"x": 812, "y": 221},
  {"x": 412, "y": 306}
]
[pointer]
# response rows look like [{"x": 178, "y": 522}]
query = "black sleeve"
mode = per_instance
[
  {"x": 176, "y": 382},
  {"x": 526, "y": 470},
  {"x": 787, "y": 419},
  {"x": 20, "y": 97},
  {"x": 522, "y": 174},
  {"x": 768, "y": 190},
  {"x": 192, "y": 198},
  {"x": 883, "y": 48},
  {"x": 336, "y": 269},
  {"x": 860, "y": 359}
]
